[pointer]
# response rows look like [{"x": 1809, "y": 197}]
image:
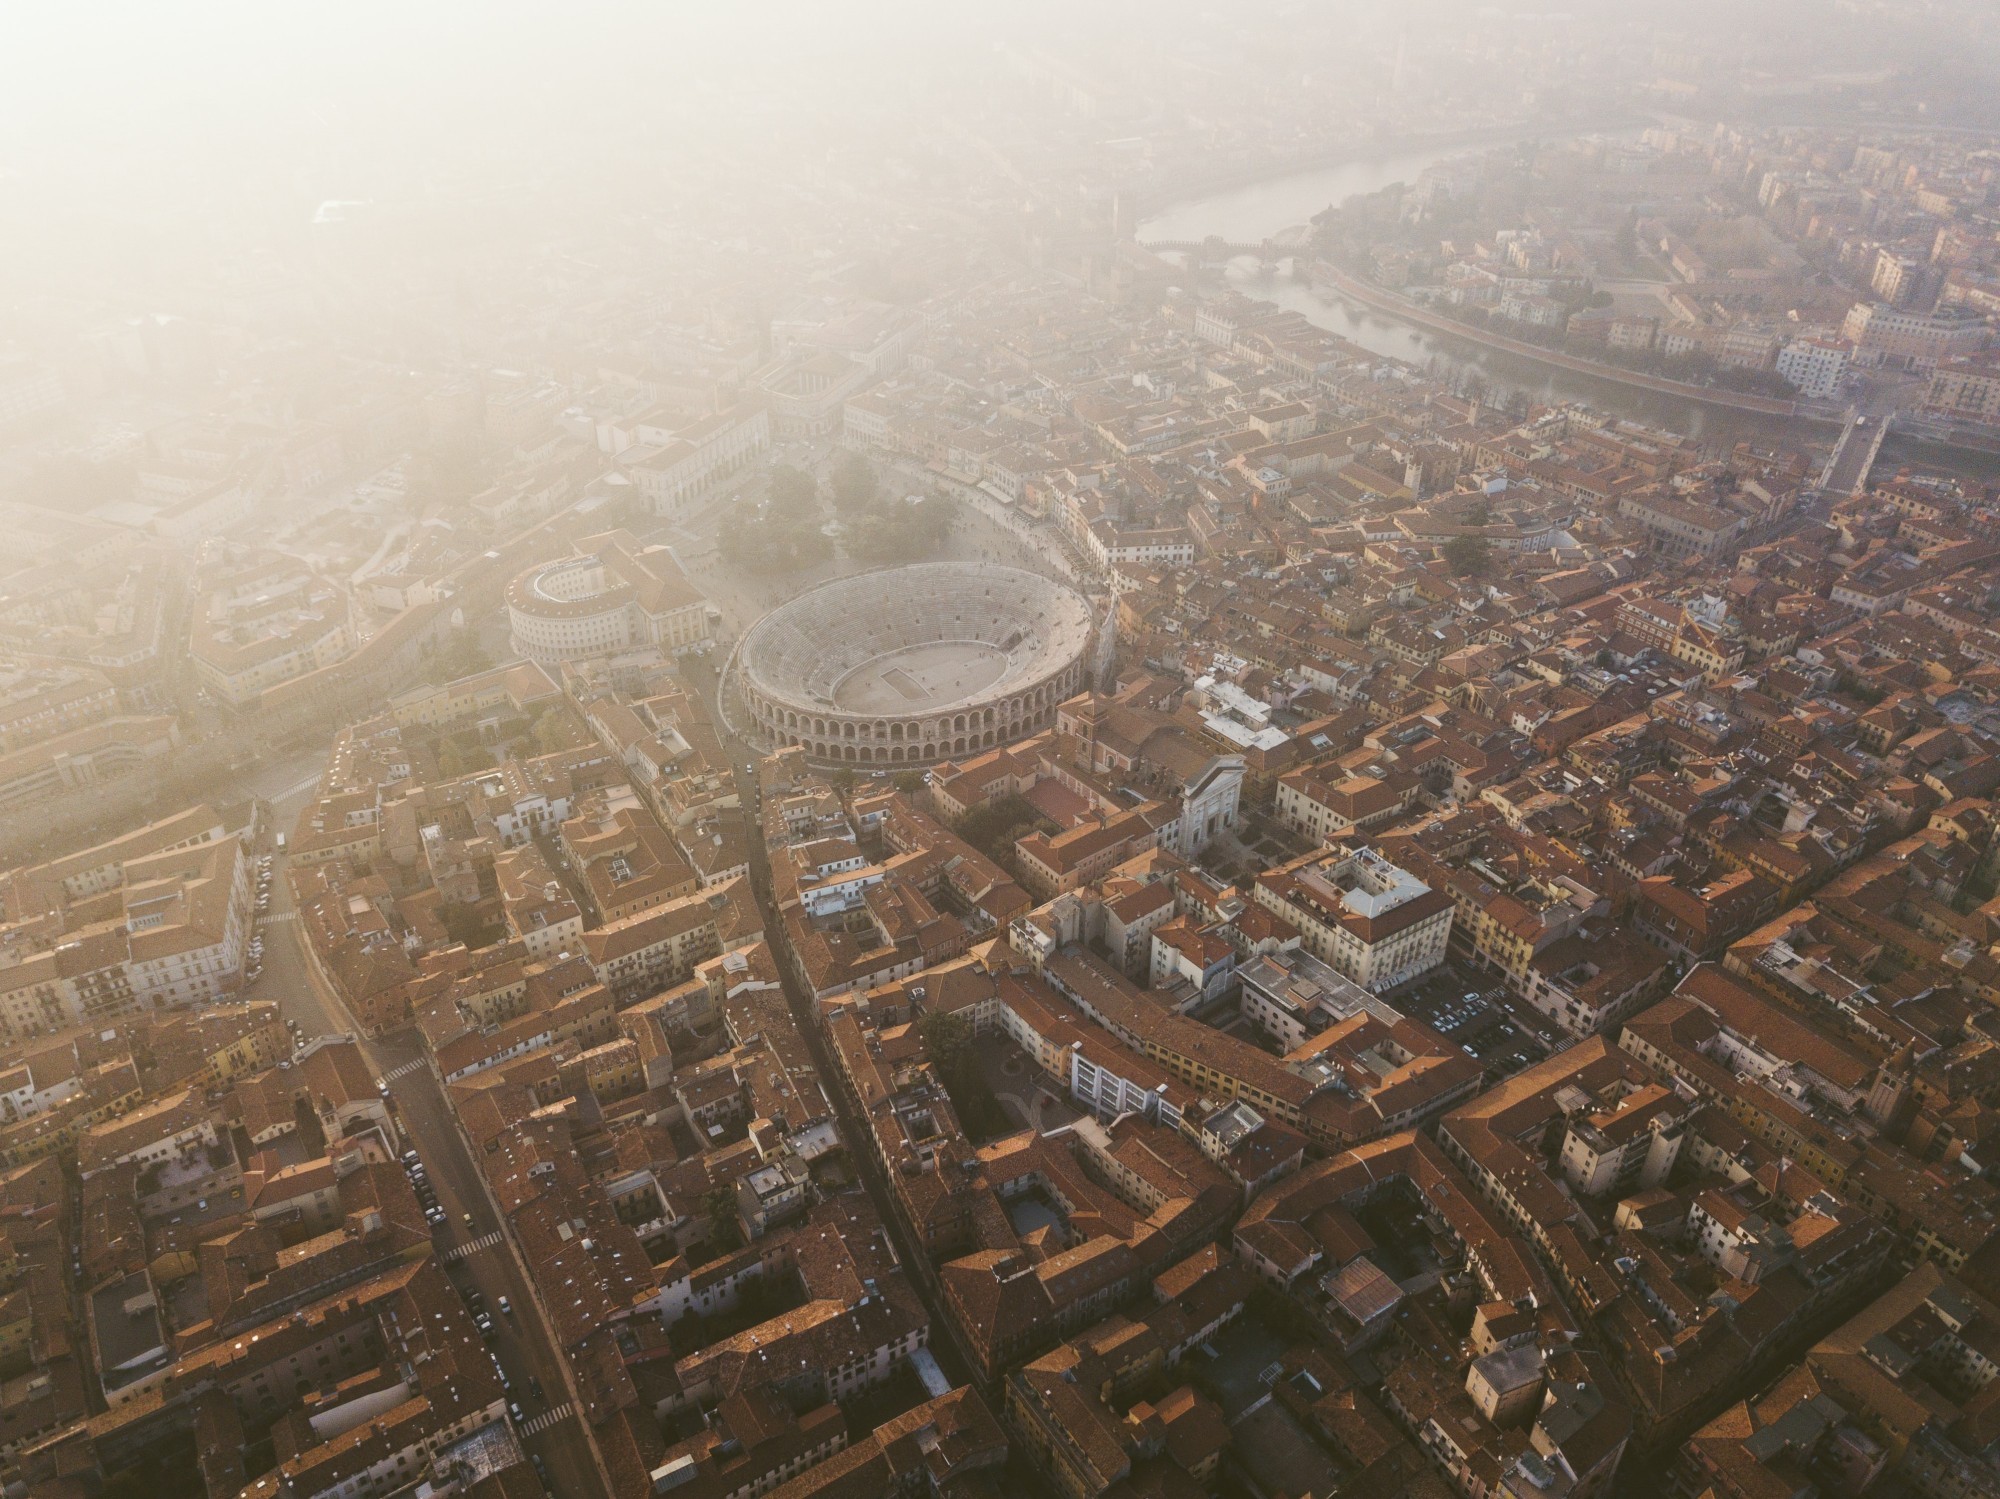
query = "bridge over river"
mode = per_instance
[
  {"x": 1847, "y": 470},
  {"x": 1215, "y": 250}
]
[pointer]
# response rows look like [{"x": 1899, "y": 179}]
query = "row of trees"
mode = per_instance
[
  {"x": 897, "y": 531},
  {"x": 879, "y": 527},
  {"x": 1693, "y": 367},
  {"x": 785, "y": 531}
]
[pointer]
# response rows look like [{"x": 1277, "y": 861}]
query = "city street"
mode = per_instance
[
  {"x": 944, "y": 1344},
  {"x": 1483, "y": 528},
  {"x": 521, "y": 1340}
]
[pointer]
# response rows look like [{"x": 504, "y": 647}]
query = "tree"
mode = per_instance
[
  {"x": 786, "y": 536},
  {"x": 948, "y": 1043},
  {"x": 1468, "y": 555},
  {"x": 910, "y": 781},
  {"x": 459, "y": 655},
  {"x": 792, "y": 491},
  {"x": 843, "y": 779},
  {"x": 947, "y": 1038},
  {"x": 1625, "y": 241},
  {"x": 719, "y": 1204},
  {"x": 993, "y": 827},
  {"x": 467, "y": 925},
  {"x": 455, "y": 760},
  {"x": 736, "y": 539},
  {"x": 854, "y": 484},
  {"x": 897, "y": 531},
  {"x": 552, "y": 731},
  {"x": 806, "y": 546}
]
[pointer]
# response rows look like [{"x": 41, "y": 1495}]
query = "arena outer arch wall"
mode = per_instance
[{"x": 992, "y": 651}]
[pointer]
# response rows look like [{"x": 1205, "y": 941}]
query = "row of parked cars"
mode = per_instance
[
  {"x": 426, "y": 1194},
  {"x": 255, "y": 968},
  {"x": 475, "y": 1299},
  {"x": 1456, "y": 1014},
  {"x": 475, "y": 1302}
]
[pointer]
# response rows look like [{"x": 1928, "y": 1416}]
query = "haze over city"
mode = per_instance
[{"x": 1096, "y": 751}]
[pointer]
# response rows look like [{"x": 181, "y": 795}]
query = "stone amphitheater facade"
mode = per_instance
[{"x": 992, "y": 651}]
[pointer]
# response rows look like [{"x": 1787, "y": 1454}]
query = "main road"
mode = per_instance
[
  {"x": 523, "y": 1341},
  {"x": 951, "y": 1353},
  {"x": 526, "y": 1350}
]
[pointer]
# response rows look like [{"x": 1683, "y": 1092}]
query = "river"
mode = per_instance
[{"x": 1245, "y": 214}]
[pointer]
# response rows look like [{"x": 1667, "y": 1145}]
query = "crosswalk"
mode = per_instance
[
  {"x": 403, "y": 1071},
  {"x": 309, "y": 783},
  {"x": 472, "y": 1246},
  {"x": 275, "y": 918},
  {"x": 536, "y": 1425}
]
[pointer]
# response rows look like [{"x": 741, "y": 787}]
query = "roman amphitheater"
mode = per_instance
[{"x": 916, "y": 664}]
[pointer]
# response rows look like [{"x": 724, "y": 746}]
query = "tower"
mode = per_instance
[{"x": 1104, "y": 654}]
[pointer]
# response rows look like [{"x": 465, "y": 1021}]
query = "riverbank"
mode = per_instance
[
  {"x": 1385, "y": 301},
  {"x": 1252, "y": 174},
  {"x": 1255, "y": 207}
]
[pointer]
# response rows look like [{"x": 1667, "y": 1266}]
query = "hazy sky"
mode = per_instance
[
  {"x": 129, "y": 126},
  {"x": 101, "y": 89},
  {"x": 140, "y": 93}
]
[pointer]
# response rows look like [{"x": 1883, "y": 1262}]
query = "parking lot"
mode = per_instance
[{"x": 1475, "y": 1013}]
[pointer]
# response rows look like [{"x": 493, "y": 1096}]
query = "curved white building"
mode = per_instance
[
  {"x": 612, "y": 596},
  {"x": 916, "y": 664}
]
